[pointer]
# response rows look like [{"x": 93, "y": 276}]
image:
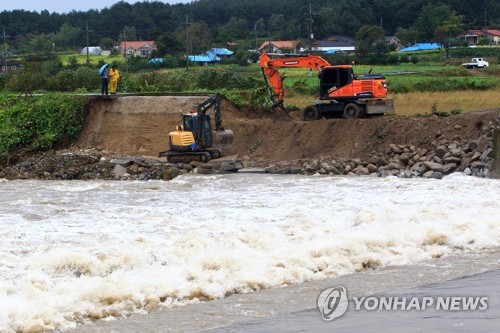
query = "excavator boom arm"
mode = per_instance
[
  {"x": 212, "y": 101},
  {"x": 271, "y": 74}
]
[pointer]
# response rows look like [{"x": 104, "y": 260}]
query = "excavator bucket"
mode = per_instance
[
  {"x": 223, "y": 139},
  {"x": 282, "y": 112}
]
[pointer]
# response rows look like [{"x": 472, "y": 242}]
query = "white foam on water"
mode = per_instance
[{"x": 76, "y": 251}]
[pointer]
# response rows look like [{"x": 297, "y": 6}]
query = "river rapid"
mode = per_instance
[{"x": 76, "y": 251}]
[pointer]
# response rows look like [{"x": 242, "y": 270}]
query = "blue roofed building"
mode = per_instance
[
  {"x": 156, "y": 61},
  {"x": 221, "y": 53},
  {"x": 212, "y": 56},
  {"x": 421, "y": 47},
  {"x": 204, "y": 59}
]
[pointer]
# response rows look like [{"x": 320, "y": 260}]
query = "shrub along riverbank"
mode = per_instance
[{"x": 38, "y": 123}]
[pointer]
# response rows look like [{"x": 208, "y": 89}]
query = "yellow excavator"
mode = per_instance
[{"x": 195, "y": 140}]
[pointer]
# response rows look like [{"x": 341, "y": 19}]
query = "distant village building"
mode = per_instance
[
  {"x": 221, "y": 53},
  {"x": 203, "y": 59},
  {"x": 421, "y": 47},
  {"x": 212, "y": 56},
  {"x": 471, "y": 37},
  {"x": 333, "y": 44},
  {"x": 6, "y": 54},
  {"x": 93, "y": 50},
  {"x": 138, "y": 48},
  {"x": 393, "y": 40},
  {"x": 279, "y": 46},
  {"x": 10, "y": 66}
]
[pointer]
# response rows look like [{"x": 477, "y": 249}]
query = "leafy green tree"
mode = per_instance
[
  {"x": 228, "y": 32},
  {"x": 431, "y": 17},
  {"x": 52, "y": 67},
  {"x": 484, "y": 41},
  {"x": 235, "y": 28},
  {"x": 200, "y": 37},
  {"x": 344, "y": 19},
  {"x": 107, "y": 43},
  {"x": 407, "y": 36},
  {"x": 68, "y": 36},
  {"x": 39, "y": 43},
  {"x": 73, "y": 62},
  {"x": 169, "y": 43},
  {"x": 445, "y": 33},
  {"x": 276, "y": 23},
  {"x": 260, "y": 25},
  {"x": 32, "y": 78},
  {"x": 130, "y": 33},
  {"x": 369, "y": 39},
  {"x": 86, "y": 78},
  {"x": 171, "y": 61}
]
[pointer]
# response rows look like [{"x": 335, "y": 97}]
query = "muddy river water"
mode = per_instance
[{"x": 219, "y": 252}]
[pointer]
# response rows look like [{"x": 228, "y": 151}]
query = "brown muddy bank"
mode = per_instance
[{"x": 136, "y": 127}]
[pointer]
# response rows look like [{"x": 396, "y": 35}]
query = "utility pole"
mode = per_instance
[
  {"x": 310, "y": 21},
  {"x": 255, "y": 27},
  {"x": 124, "y": 37},
  {"x": 271, "y": 47},
  {"x": 87, "y": 34},
  {"x": 5, "y": 51},
  {"x": 187, "y": 24}
]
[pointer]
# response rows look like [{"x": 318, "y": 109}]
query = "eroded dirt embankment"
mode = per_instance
[{"x": 138, "y": 125}]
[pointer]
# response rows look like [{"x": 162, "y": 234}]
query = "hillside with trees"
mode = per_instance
[{"x": 216, "y": 22}]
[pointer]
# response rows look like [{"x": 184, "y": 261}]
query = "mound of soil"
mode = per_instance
[{"x": 139, "y": 125}]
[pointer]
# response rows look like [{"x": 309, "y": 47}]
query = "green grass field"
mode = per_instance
[
  {"x": 447, "y": 88},
  {"x": 415, "y": 88},
  {"x": 93, "y": 59}
]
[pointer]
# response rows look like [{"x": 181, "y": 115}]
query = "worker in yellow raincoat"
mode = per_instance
[{"x": 113, "y": 79}]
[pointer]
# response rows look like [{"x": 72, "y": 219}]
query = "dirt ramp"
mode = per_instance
[{"x": 134, "y": 125}]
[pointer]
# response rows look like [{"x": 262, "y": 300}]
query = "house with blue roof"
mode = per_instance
[
  {"x": 212, "y": 56},
  {"x": 421, "y": 47},
  {"x": 221, "y": 53},
  {"x": 204, "y": 59}
]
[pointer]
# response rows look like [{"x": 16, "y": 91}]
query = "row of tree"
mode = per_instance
[{"x": 221, "y": 21}]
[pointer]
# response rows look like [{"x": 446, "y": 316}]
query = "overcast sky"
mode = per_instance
[{"x": 65, "y": 6}]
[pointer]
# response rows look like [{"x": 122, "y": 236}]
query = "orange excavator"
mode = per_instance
[{"x": 340, "y": 92}]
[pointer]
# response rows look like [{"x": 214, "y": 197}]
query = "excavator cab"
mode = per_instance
[
  {"x": 333, "y": 78},
  {"x": 192, "y": 123}
]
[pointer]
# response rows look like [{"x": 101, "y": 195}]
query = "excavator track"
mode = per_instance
[{"x": 187, "y": 157}]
